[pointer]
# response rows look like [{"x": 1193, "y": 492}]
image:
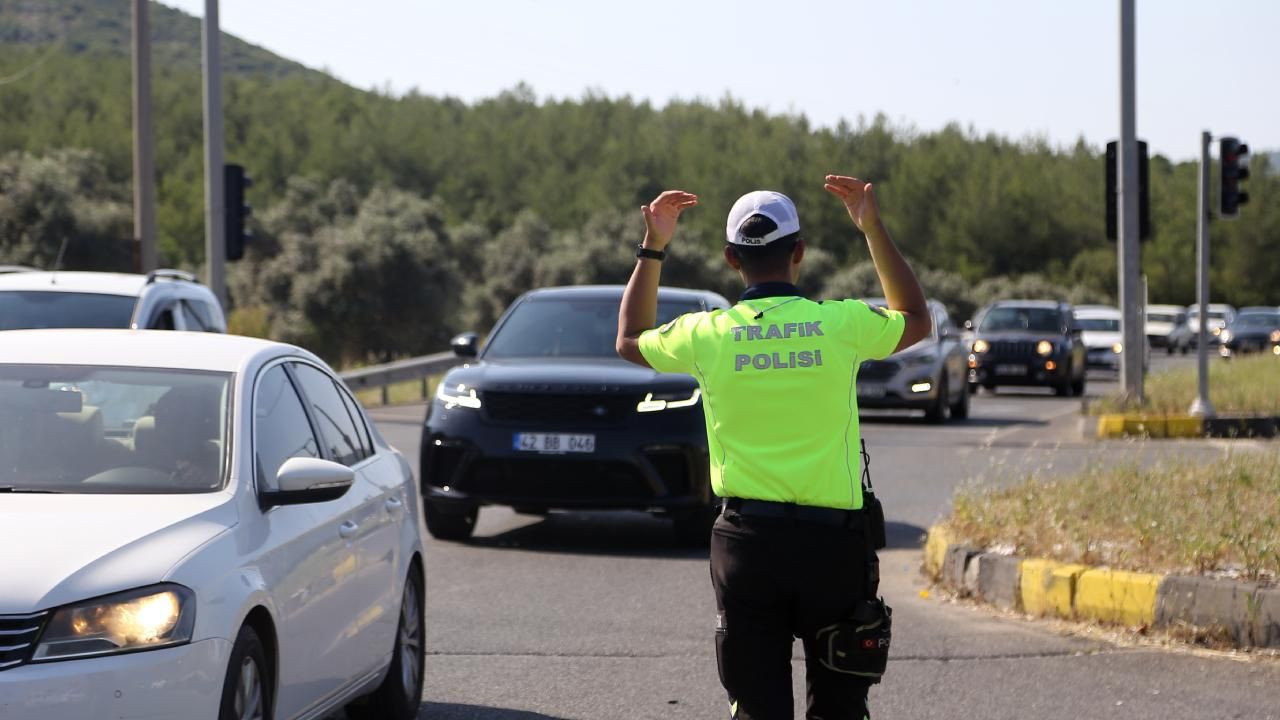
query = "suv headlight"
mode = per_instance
[
  {"x": 1225, "y": 335},
  {"x": 1044, "y": 347},
  {"x": 1275, "y": 336},
  {"x": 653, "y": 402},
  {"x": 143, "y": 619},
  {"x": 981, "y": 346},
  {"x": 458, "y": 396}
]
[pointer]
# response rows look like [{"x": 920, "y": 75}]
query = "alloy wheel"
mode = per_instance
[
  {"x": 410, "y": 640},
  {"x": 248, "y": 703}
]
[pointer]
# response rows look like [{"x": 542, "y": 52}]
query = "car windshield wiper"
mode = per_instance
[{"x": 12, "y": 489}]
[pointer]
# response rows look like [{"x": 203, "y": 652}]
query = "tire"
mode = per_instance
[
  {"x": 990, "y": 388},
  {"x": 400, "y": 694},
  {"x": 1077, "y": 386},
  {"x": 940, "y": 409},
  {"x": 973, "y": 388},
  {"x": 693, "y": 526},
  {"x": 960, "y": 410},
  {"x": 247, "y": 687},
  {"x": 450, "y": 521},
  {"x": 1064, "y": 388}
]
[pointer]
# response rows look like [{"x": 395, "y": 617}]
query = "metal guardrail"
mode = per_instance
[{"x": 383, "y": 376}]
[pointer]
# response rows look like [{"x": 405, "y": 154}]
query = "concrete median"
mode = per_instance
[{"x": 1245, "y": 613}]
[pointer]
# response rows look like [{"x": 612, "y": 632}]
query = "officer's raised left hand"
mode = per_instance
[{"x": 661, "y": 216}]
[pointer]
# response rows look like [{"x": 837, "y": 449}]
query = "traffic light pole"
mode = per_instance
[
  {"x": 144, "y": 174},
  {"x": 1201, "y": 405},
  {"x": 1132, "y": 323},
  {"x": 214, "y": 205}
]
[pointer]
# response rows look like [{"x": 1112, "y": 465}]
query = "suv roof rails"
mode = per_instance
[{"x": 170, "y": 274}]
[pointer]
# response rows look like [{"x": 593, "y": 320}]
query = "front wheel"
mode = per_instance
[
  {"x": 450, "y": 521},
  {"x": 960, "y": 410},
  {"x": 246, "y": 689},
  {"x": 400, "y": 693},
  {"x": 1077, "y": 386},
  {"x": 938, "y": 411}
]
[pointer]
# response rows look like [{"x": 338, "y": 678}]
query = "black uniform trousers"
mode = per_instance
[{"x": 777, "y": 579}]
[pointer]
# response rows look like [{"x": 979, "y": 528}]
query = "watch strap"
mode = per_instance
[{"x": 644, "y": 252}]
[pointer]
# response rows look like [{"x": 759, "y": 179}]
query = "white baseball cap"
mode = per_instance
[{"x": 773, "y": 205}]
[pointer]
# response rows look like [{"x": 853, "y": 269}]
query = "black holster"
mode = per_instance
[{"x": 859, "y": 645}]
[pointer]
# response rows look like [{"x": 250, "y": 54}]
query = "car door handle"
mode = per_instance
[
  {"x": 347, "y": 529},
  {"x": 393, "y": 505}
]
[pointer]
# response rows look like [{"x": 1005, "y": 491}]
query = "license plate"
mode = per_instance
[
  {"x": 870, "y": 391},
  {"x": 1011, "y": 369},
  {"x": 554, "y": 443}
]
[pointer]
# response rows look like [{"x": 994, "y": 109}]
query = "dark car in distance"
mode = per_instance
[
  {"x": 928, "y": 376},
  {"x": 546, "y": 417},
  {"x": 1255, "y": 329},
  {"x": 1027, "y": 343}
]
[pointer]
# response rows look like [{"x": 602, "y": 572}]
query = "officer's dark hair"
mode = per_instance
[{"x": 764, "y": 259}]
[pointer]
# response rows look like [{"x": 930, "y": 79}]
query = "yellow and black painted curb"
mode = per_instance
[
  {"x": 1247, "y": 613},
  {"x": 1155, "y": 425}
]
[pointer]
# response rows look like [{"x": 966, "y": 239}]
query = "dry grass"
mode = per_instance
[
  {"x": 399, "y": 393},
  {"x": 1242, "y": 385},
  {"x": 1175, "y": 517}
]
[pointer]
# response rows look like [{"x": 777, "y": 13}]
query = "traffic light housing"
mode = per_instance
[
  {"x": 235, "y": 229},
  {"x": 1144, "y": 196},
  {"x": 1230, "y": 195}
]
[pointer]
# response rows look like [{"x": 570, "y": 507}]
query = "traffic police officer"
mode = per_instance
[{"x": 790, "y": 555}]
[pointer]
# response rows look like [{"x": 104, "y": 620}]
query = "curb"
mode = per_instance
[
  {"x": 1120, "y": 425},
  {"x": 1247, "y": 614}
]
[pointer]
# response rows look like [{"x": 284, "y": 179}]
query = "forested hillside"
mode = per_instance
[{"x": 448, "y": 209}]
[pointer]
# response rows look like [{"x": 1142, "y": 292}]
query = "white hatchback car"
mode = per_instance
[{"x": 199, "y": 526}]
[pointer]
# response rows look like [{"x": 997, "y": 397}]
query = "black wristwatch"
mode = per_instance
[{"x": 644, "y": 252}]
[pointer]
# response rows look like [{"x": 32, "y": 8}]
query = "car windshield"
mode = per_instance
[
  {"x": 1213, "y": 314},
  {"x": 88, "y": 429},
  {"x": 1021, "y": 318},
  {"x": 25, "y": 309},
  {"x": 568, "y": 327},
  {"x": 1162, "y": 318},
  {"x": 1259, "y": 320},
  {"x": 1099, "y": 324}
]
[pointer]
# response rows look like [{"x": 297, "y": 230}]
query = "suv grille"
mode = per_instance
[
  {"x": 554, "y": 408},
  {"x": 18, "y": 635},
  {"x": 878, "y": 370},
  {"x": 1013, "y": 348}
]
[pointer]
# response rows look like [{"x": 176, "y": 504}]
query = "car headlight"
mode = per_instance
[
  {"x": 1225, "y": 335},
  {"x": 458, "y": 396},
  {"x": 1216, "y": 331},
  {"x": 144, "y": 619},
  {"x": 1117, "y": 348},
  {"x": 981, "y": 346},
  {"x": 1275, "y": 336},
  {"x": 653, "y": 402},
  {"x": 1044, "y": 347}
]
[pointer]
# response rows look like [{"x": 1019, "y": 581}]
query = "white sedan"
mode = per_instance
[{"x": 199, "y": 526}]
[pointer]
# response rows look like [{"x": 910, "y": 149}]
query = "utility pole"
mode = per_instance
[
  {"x": 214, "y": 210},
  {"x": 144, "y": 179},
  {"x": 1132, "y": 324},
  {"x": 1201, "y": 405}
]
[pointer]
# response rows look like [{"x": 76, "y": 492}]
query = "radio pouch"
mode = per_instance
[
  {"x": 859, "y": 646},
  {"x": 871, "y": 506}
]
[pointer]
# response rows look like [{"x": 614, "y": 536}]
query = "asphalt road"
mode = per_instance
[{"x": 595, "y": 616}]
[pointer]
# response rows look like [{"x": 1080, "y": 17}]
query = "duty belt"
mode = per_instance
[{"x": 791, "y": 511}]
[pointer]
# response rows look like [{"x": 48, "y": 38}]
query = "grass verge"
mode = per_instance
[
  {"x": 409, "y": 391},
  {"x": 1248, "y": 384},
  {"x": 1174, "y": 517}
]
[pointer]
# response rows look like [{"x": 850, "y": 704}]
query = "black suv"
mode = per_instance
[
  {"x": 548, "y": 417},
  {"x": 1027, "y": 342}
]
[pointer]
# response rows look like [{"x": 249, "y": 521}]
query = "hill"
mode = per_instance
[{"x": 97, "y": 27}]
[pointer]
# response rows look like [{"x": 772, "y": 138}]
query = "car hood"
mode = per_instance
[
  {"x": 1100, "y": 338},
  {"x": 83, "y": 546},
  {"x": 563, "y": 375},
  {"x": 1160, "y": 328},
  {"x": 1252, "y": 332}
]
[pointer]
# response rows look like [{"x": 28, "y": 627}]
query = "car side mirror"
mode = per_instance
[
  {"x": 465, "y": 345},
  {"x": 302, "y": 480}
]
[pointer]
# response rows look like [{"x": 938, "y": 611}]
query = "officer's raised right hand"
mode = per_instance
[
  {"x": 859, "y": 200},
  {"x": 661, "y": 215}
]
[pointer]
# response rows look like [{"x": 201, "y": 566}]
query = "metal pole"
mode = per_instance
[
  {"x": 214, "y": 219},
  {"x": 1131, "y": 324},
  {"x": 1201, "y": 405},
  {"x": 144, "y": 179}
]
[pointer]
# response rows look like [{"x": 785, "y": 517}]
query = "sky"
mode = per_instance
[{"x": 1020, "y": 68}]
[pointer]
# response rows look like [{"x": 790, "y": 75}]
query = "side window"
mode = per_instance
[
  {"x": 362, "y": 429},
  {"x": 197, "y": 314},
  {"x": 163, "y": 320},
  {"x": 337, "y": 429},
  {"x": 280, "y": 427}
]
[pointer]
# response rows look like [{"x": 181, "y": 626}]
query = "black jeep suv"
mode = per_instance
[{"x": 1027, "y": 342}]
